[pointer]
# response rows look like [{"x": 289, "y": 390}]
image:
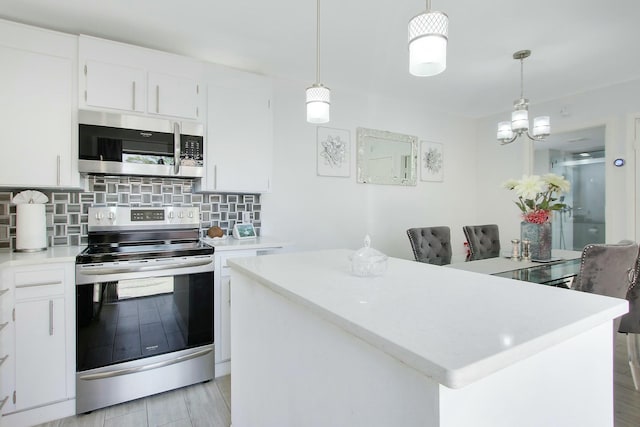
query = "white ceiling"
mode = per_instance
[{"x": 576, "y": 45}]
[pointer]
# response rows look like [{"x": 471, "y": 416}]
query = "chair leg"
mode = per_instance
[{"x": 633, "y": 352}]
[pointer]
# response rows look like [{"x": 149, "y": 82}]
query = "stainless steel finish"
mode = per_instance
[
  {"x": 129, "y": 121},
  {"x": 119, "y": 218},
  {"x": 58, "y": 170},
  {"x": 169, "y": 265},
  {"x": 3, "y": 359},
  {"x": 120, "y": 270},
  {"x": 93, "y": 394},
  {"x": 3, "y": 325},
  {"x": 150, "y": 366},
  {"x": 176, "y": 148},
  {"x": 3, "y": 401},
  {"x": 50, "y": 317},
  {"x": 133, "y": 88},
  {"x": 158, "y": 99},
  {"x": 31, "y": 285},
  {"x": 3, "y": 291},
  {"x": 121, "y": 168}
]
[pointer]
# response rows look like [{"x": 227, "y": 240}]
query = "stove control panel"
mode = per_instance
[{"x": 118, "y": 218}]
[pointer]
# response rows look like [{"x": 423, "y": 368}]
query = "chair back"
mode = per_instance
[
  {"x": 630, "y": 322},
  {"x": 431, "y": 244},
  {"x": 607, "y": 269},
  {"x": 484, "y": 241}
]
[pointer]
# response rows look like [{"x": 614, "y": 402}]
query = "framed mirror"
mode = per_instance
[{"x": 386, "y": 157}]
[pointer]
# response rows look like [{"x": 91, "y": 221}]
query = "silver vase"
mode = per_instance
[{"x": 540, "y": 237}]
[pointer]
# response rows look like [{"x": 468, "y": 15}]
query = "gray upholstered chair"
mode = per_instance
[
  {"x": 630, "y": 325},
  {"x": 431, "y": 244},
  {"x": 484, "y": 241},
  {"x": 607, "y": 269}
]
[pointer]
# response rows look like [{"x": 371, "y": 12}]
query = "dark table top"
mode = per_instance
[{"x": 558, "y": 273}]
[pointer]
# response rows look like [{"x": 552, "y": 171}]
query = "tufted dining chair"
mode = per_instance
[
  {"x": 431, "y": 244},
  {"x": 630, "y": 325},
  {"x": 484, "y": 241}
]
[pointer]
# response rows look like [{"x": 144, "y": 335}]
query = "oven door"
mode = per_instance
[{"x": 139, "y": 325}]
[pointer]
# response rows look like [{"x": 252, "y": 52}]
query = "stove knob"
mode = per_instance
[
  {"x": 190, "y": 214},
  {"x": 180, "y": 214},
  {"x": 112, "y": 216},
  {"x": 99, "y": 215}
]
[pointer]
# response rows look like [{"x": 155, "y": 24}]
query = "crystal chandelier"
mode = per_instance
[
  {"x": 318, "y": 96},
  {"x": 519, "y": 124},
  {"x": 428, "y": 33}
]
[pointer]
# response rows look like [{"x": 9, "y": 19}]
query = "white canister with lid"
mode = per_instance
[{"x": 31, "y": 221}]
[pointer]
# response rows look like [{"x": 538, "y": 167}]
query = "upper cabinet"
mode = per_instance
[
  {"x": 117, "y": 76},
  {"x": 38, "y": 109},
  {"x": 239, "y": 148}
]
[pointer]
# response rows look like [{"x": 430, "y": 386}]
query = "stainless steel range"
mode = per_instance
[{"x": 144, "y": 299}]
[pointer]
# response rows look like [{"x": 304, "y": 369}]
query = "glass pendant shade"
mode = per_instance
[
  {"x": 541, "y": 126},
  {"x": 519, "y": 120},
  {"x": 428, "y": 34},
  {"x": 504, "y": 130},
  {"x": 318, "y": 104}
]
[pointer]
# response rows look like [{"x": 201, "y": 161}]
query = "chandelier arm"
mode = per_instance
[{"x": 505, "y": 142}]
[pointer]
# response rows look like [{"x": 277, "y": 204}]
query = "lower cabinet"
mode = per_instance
[
  {"x": 40, "y": 350},
  {"x": 222, "y": 326}
]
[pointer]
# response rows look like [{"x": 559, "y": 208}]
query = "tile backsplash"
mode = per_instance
[{"x": 67, "y": 211}]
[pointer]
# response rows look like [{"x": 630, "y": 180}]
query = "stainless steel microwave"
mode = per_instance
[{"x": 118, "y": 144}]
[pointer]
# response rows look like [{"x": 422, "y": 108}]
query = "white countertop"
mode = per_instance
[
  {"x": 53, "y": 254},
  {"x": 454, "y": 326},
  {"x": 502, "y": 264},
  {"x": 231, "y": 244}
]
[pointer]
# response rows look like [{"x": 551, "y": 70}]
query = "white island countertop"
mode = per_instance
[{"x": 456, "y": 327}]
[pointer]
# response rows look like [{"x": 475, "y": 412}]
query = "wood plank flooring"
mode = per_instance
[{"x": 209, "y": 404}]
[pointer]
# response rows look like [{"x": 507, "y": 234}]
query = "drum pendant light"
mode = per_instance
[
  {"x": 428, "y": 35},
  {"x": 318, "y": 96}
]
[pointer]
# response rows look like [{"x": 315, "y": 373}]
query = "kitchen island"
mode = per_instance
[{"x": 422, "y": 345}]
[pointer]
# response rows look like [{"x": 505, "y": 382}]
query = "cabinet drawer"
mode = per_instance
[
  {"x": 39, "y": 284},
  {"x": 225, "y": 270}
]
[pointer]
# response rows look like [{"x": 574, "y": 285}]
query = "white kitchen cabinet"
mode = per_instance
[
  {"x": 114, "y": 86},
  {"x": 118, "y": 76},
  {"x": 222, "y": 308},
  {"x": 239, "y": 141},
  {"x": 38, "y": 108},
  {"x": 40, "y": 375},
  {"x": 173, "y": 96}
]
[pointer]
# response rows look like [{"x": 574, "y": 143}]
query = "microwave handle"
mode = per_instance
[{"x": 176, "y": 147}]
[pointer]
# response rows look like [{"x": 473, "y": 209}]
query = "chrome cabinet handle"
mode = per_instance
[
  {"x": 133, "y": 87},
  {"x": 176, "y": 147},
  {"x": 31, "y": 285},
  {"x": 3, "y": 291},
  {"x": 50, "y": 317},
  {"x": 118, "y": 372},
  {"x": 3, "y": 401},
  {"x": 3, "y": 359},
  {"x": 58, "y": 171},
  {"x": 3, "y": 325},
  {"x": 158, "y": 99}
]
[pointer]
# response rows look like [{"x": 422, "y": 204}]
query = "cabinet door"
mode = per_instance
[
  {"x": 173, "y": 96},
  {"x": 225, "y": 319},
  {"x": 36, "y": 111},
  {"x": 114, "y": 86},
  {"x": 7, "y": 379},
  {"x": 40, "y": 352},
  {"x": 240, "y": 134}
]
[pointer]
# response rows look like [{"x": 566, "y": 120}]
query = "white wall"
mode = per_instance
[
  {"x": 613, "y": 107},
  {"x": 317, "y": 212}
]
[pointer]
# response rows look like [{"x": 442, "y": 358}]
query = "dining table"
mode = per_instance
[{"x": 559, "y": 271}]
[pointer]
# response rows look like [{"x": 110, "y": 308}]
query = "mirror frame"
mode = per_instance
[{"x": 365, "y": 137}]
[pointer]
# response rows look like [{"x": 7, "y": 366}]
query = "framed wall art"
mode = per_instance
[
  {"x": 334, "y": 152},
  {"x": 431, "y": 161}
]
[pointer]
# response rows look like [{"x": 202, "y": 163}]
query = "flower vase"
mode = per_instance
[{"x": 540, "y": 237}]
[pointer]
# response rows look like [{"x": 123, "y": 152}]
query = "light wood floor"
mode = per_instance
[{"x": 209, "y": 404}]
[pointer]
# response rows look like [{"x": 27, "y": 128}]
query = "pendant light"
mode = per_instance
[
  {"x": 318, "y": 96},
  {"x": 428, "y": 35},
  {"x": 519, "y": 125}
]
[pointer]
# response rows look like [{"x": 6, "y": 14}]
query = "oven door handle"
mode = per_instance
[
  {"x": 126, "y": 371},
  {"x": 176, "y": 148},
  {"x": 100, "y": 270}
]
